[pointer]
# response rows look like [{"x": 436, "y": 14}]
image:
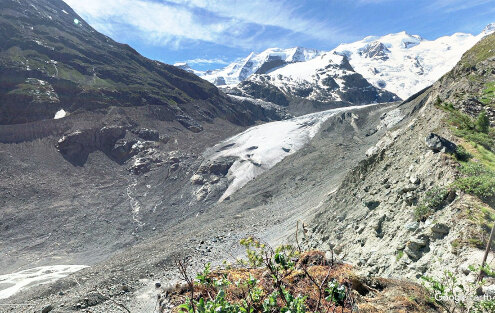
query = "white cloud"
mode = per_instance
[
  {"x": 232, "y": 23},
  {"x": 456, "y": 5},
  {"x": 206, "y": 61}
]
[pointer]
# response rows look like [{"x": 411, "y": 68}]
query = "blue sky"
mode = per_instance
[{"x": 211, "y": 33}]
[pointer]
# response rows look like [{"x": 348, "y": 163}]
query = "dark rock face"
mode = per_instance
[
  {"x": 437, "y": 143},
  {"x": 319, "y": 92},
  {"x": 376, "y": 50},
  {"x": 76, "y": 146},
  {"x": 264, "y": 91}
]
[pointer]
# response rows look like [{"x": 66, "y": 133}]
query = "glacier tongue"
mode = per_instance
[{"x": 261, "y": 147}]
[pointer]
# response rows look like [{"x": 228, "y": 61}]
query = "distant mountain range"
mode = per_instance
[{"x": 399, "y": 63}]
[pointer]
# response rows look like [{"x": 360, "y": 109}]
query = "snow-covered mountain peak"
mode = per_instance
[
  {"x": 489, "y": 29},
  {"x": 186, "y": 67},
  {"x": 400, "y": 63},
  {"x": 259, "y": 63},
  {"x": 409, "y": 63}
]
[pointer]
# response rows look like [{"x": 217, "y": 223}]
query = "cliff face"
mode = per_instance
[{"x": 406, "y": 210}]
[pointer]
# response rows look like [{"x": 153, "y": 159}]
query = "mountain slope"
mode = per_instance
[
  {"x": 384, "y": 218},
  {"x": 325, "y": 82},
  {"x": 114, "y": 169},
  {"x": 51, "y": 59}
]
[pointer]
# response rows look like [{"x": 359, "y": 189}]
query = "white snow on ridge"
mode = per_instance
[
  {"x": 240, "y": 70},
  {"x": 261, "y": 147},
  {"x": 405, "y": 64},
  {"x": 11, "y": 284},
  {"x": 400, "y": 63}
]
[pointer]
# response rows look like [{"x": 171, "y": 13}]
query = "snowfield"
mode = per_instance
[
  {"x": 11, "y": 284},
  {"x": 405, "y": 64},
  {"x": 240, "y": 70},
  {"x": 399, "y": 63},
  {"x": 260, "y": 148}
]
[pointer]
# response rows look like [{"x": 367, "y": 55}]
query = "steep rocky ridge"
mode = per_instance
[
  {"x": 325, "y": 82},
  {"x": 370, "y": 220}
]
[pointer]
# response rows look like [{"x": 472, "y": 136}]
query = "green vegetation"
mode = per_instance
[
  {"x": 434, "y": 200},
  {"x": 488, "y": 96},
  {"x": 477, "y": 179},
  {"x": 475, "y": 131},
  {"x": 271, "y": 280},
  {"x": 482, "y": 51},
  {"x": 461, "y": 154},
  {"x": 476, "y": 156},
  {"x": 482, "y": 123},
  {"x": 454, "y": 296}
]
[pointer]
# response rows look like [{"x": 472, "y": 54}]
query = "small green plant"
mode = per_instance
[
  {"x": 434, "y": 200},
  {"x": 456, "y": 296},
  {"x": 337, "y": 293},
  {"x": 399, "y": 255}
]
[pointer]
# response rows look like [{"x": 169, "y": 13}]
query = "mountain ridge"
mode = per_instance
[{"x": 375, "y": 68}]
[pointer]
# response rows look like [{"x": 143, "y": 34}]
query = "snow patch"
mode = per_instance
[
  {"x": 10, "y": 284},
  {"x": 60, "y": 114}
]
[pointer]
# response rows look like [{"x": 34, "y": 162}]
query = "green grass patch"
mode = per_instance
[
  {"x": 488, "y": 96},
  {"x": 476, "y": 179},
  {"x": 482, "y": 51}
]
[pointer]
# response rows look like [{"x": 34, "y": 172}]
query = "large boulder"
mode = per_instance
[
  {"x": 147, "y": 134},
  {"x": 437, "y": 143}
]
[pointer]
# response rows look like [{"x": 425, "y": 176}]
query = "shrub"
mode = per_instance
[
  {"x": 483, "y": 123},
  {"x": 462, "y": 154},
  {"x": 277, "y": 287},
  {"x": 477, "y": 180},
  {"x": 455, "y": 296},
  {"x": 434, "y": 200}
]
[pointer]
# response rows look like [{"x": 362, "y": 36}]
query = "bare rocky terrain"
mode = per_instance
[{"x": 114, "y": 183}]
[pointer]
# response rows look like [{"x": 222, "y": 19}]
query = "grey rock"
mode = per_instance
[
  {"x": 412, "y": 226},
  {"x": 407, "y": 188},
  {"x": 372, "y": 204},
  {"x": 141, "y": 166},
  {"x": 437, "y": 143},
  {"x": 47, "y": 309},
  {"x": 416, "y": 246},
  {"x": 189, "y": 123},
  {"x": 414, "y": 180},
  {"x": 440, "y": 230},
  {"x": 489, "y": 290},
  {"x": 147, "y": 134}
]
